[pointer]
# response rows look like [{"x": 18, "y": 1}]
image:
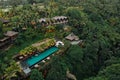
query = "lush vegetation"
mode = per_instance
[
  {"x": 96, "y": 22},
  {"x": 37, "y": 47},
  {"x": 28, "y": 50},
  {"x": 36, "y": 75}
]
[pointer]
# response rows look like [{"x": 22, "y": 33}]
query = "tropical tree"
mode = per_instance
[
  {"x": 15, "y": 2},
  {"x": 2, "y": 68},
  {"x": 111, "y": 72},
  {"x": 11, "y": 70},
  {"x": 76, "y": 16},
  {"x": 97, "y": 78},
  {"x": 36, "y": 75},
  {"x": 58, "y": 69},
  {"x": 76, "y": 55}
]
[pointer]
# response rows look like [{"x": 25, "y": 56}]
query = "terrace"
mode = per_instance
[
  {"x": 40, "y": 56},
  {"x": 10, "y": 36},
  {"x": 32, "y": 55},
  {"x": 4, "y": 41}
]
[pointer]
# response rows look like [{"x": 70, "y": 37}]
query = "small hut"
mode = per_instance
[
  {"x": 54, "y": 20},
  {"x": 11, "y": 34},
  {"x": 72, "y": 37},
  {"x": 4, "y": 41},
  {"x": 61, "y": 19}
]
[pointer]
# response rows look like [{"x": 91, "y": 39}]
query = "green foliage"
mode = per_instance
[
  {"x": 11, "y": 70},
  {"x": 36, "y": 75},
  {"x": 57, "y": 70},
  {"x": 74, "y": 52},
  {"x": 111, "y": 72},
  {"x": 32, "y": 49},
  {"x": 2, "y": 68},
  {"x": 28, "y": 50},
  {"x": 77, "y": 17},
  {"x": 15, "y": 2},
  {"x": 97, "y": 78},
  {"x": 113, "y": 60},
  {"x": 74, "y": 58},
  {"x": 96, "y": 22}
]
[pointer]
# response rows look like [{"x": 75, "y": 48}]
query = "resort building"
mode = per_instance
[
  {"x": 37, "y": 53},
  {"x": 72, "y": 37},
  {"x": 74, "y": 40},
  {"x": 5, "y": 41},
  {"x": 10, "y": 36},
  {"x": 53, "y": 21},
  {"x": 60, "y": 19}
]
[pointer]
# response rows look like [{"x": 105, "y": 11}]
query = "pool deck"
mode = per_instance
[{"x": 37, "y": 58}]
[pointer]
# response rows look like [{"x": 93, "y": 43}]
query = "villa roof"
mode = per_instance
[
  {"x": 72, "y": 37},
  {"x": 59, "y": 17},
  {"x": 42, "y": 19},
  {"x": 5, "y": 38},
  {"x": 11, "y": 33},
  {"x": 55, "y": 18}
]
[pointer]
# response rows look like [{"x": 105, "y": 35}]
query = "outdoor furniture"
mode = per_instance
[
  {"x": 36, "y": 54},
  {"x": 21, "y": 57},
  {"x": 48, "y": 58},
  {"x": 59, "y": 43},
  {"x": 43, "y": 61},
  {"x": 36, "y": 66}
]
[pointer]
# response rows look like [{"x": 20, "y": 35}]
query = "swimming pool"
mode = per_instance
[{"x": 35, "y": 59}]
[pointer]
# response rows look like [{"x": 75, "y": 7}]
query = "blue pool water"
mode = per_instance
[{"x": 35, "y": 59}]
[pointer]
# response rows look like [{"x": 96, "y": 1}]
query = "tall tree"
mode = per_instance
[
  {"x": 111, "y": 72},
  {"x": 36, "y": 75},
  {"x": 57, "y": 70},
  {"x": 74, "y": 60}
]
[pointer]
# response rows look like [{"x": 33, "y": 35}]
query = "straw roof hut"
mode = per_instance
[
  {"x": 4, "y": 41},
  {"x": 54, "y": 20},
  {"x": 72, "y": 37},
  {"x": 10, "y": 33}
]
